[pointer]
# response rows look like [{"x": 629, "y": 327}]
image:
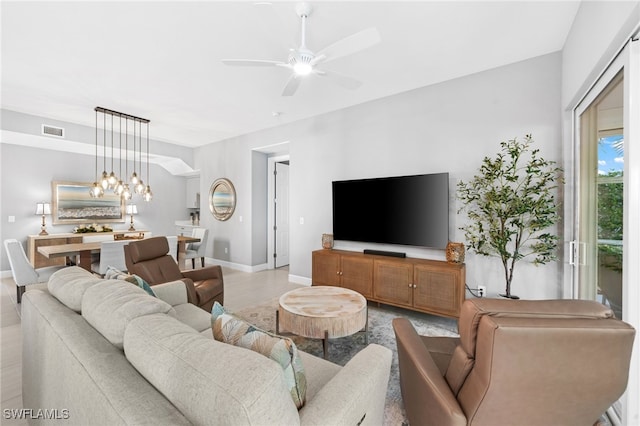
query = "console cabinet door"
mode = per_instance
[
  {"x": 356, "y": 274},
  {"x": 325, "y": 268},
  {"x": 437, "y": 290},
  {"x": 393, "y": 282}
]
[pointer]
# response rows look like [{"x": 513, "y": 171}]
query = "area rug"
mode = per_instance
[{"x": 343, "y": 349}]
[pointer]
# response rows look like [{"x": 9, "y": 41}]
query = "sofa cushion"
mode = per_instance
[
  {"x": 233, "y": 330},
  {"x": 193, "y": 316},
  {"x": 174, "y": 293},
  {"x": 208, "y": 381},
  {"x": 69, "y": 284},
  {"x": 110, "y": 305}
]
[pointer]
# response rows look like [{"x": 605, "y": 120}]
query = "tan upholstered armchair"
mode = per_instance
[
  {"x": 150, "y": 259},
  {"x": 516, "y": 363}
]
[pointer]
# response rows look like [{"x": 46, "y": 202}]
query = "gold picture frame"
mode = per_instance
[{"x": 72, "y": 203}]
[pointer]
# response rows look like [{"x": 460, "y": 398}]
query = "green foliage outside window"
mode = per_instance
[{"x": 610, "y": 214}]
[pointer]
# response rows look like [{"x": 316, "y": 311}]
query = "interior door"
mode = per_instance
[{"x": 282, "y": 214}]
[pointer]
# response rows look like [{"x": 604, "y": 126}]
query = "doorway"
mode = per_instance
[{"x": 278, "y": 212}]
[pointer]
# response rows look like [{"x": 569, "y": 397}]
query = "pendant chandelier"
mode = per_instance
[{"x": 122, "y": 185}]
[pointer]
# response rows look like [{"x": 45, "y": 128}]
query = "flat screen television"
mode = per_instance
[{"x": 405, "y": 210}]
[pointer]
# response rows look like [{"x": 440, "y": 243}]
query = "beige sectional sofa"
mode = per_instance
[{"x": 105, "y": 352}]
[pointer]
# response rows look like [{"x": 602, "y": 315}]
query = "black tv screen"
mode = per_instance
[{"x": 406, "y": 210}]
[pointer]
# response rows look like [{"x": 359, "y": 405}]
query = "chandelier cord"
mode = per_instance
[
  {"x": 148, "y": 178},
  {"x": 96, "y": 146},
  {"x": 120, "y": 159},
  {"x": 104, "y": 141},
  {"x": 112, "y": 144}
]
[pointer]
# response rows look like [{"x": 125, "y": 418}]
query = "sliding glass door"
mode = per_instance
[
  {"x": 601, "y": 198},
  {"x": 605, "y": 245}
]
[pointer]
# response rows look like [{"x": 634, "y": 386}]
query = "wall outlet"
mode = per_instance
[{"x": 482, "y": 291}]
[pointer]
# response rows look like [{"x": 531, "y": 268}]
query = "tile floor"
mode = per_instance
[{"x": 241, "y": 290}]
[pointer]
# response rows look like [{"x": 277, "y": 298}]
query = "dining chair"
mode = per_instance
[
  {"x": 173, "y": 246},
  {"x": 23, "y": 273},
  {"x": 95, "y": 238},
  {"x": 111, "y": 254},
  {"x": 195, "y": 250}
]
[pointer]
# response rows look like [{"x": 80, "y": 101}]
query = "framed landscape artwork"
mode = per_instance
[{"x": 72, "y": 203}]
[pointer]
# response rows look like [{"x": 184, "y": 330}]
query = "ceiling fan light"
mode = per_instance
[{"x": 302, "y": 68}]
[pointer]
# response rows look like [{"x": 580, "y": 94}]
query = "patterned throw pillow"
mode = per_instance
[
  {"x": 115, "y": 274},
  {"x": 233, "y": 330},
  {"x": 144, "y": 285}
]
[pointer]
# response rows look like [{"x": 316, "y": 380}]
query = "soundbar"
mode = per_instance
[{"x": 385, "y": 253}]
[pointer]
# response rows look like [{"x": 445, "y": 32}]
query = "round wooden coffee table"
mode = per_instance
[{"x": 322, "y": 312}]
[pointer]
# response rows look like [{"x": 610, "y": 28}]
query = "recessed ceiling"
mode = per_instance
[{"x": 162, "y": 60}]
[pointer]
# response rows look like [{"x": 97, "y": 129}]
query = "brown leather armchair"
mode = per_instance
[
  {"x": 516, "y": 362},
  {"x": 150, "y": 259}
]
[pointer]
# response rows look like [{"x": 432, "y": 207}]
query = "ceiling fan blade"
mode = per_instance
[
  {"x": 348, "y": 45},
  {"x": 292, "y": 85},
  {"x": 340, "y": 79},
  {"x": 252, "y": 63}
]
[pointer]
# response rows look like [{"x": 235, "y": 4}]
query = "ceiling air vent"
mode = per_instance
[{"x": 57, "y": 132}]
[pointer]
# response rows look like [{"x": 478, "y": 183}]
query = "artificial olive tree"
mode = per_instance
[{"x": 511, "y": 206}]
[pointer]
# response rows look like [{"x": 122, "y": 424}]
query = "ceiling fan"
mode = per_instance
[{"x": 302, "y": 61}]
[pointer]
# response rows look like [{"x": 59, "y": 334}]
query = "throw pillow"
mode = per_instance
[
  {"x": 230, "y": 329},
  {"x": 115, "y": 274},
  {"x": 144, "y": 285}
]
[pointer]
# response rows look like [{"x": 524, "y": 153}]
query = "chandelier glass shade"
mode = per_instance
[{"x": 120, "y": 183}]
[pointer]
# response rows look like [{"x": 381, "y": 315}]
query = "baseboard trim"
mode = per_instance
[
  {"x": 297, "y": 279},
  {"x": 238, "y": 266}
]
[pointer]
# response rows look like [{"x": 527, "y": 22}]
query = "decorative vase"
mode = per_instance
[
  {"x": 327, "y": 241},
  {"x": 455, "y": 252}
]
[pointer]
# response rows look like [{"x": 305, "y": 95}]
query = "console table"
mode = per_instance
[
  {"x": 38, "y": 260},
  {"x": 430, "y": 286}
]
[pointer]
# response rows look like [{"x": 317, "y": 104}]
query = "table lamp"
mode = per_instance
[
  {"x": 43, "y": 209},
  {"x": 131, "y": 210}
]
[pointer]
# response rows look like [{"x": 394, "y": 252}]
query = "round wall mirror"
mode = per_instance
[{"x": 222, "y": 199}]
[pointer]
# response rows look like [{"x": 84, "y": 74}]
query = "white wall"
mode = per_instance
[
  {"x": 446, "y": 127},
  {"x": 599, "y": 29}
]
